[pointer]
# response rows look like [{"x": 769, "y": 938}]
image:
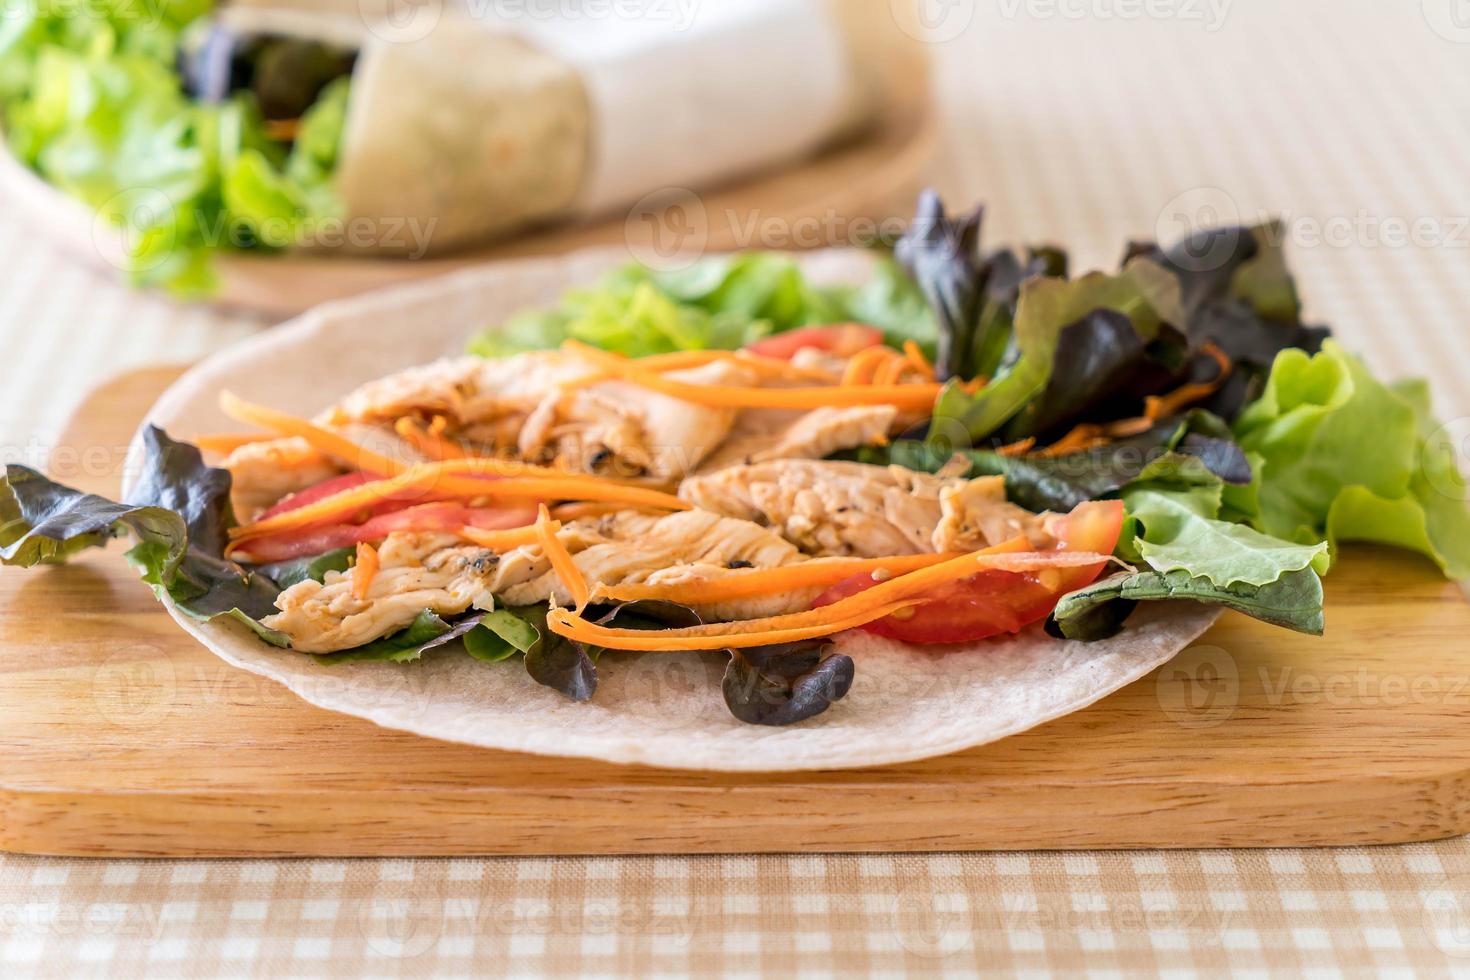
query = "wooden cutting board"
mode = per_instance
[{"x": 122, "y": 736}]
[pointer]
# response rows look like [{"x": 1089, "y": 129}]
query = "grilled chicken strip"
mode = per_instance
[
  {"x": 418, "y": 572},
  {"x": 760, "y": 435},
  {"x": 440, "y": 573},
  {"x": 516, "y": 406},
  {"x": 831, "y": 508}
]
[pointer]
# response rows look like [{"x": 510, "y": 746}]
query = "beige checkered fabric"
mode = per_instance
[
  {"x": 1293, "y": 913},
  {"x": 1079, "y": 122}
]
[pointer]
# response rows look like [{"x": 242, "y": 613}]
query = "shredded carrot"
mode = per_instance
[
  {"x": 890, "y": 372},
  {"x": 225, "y": 443},
  {"x": 769, "y": 367},
  {"x": 323, "y": 440},
  {"x": 282, "y": 130},
  {"x": 427, "y": 441},
  {"x": 745, "y": 583},
  {"x": 501, "y": 540},
  {"x": 843, "y": 614},
  {"x": 1081, "y": 438},
  {"x": 1162, "y": 406},
  {"x": 574, "y": 627},
  {"x": 1019, "y": 448},
  {"x": 860, "y": 366},
  {"x": 438, "y": 480},
  {"x": 364, "y": 570},
  {"x": 916, "y": 357},
  {"x": 561, "y": 559},
  {"x": 571, "y": 512},
  {"x": 917, "y": 397}
]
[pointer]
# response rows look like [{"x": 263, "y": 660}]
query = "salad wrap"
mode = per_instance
[
  {"x": 767, "y": 512},
  {"x": 255, "y": 127}
]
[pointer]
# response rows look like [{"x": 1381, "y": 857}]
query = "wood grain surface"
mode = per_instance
[{"x": 124, "y": 737}]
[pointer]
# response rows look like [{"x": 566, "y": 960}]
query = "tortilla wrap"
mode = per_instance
[
  {"x": 481, "y": 126},
  {"x": 657, "y": 708}
]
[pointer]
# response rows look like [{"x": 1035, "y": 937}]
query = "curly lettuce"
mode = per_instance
[
  {"x": 90, "y": 100},
  {"x": 1340, "y": 456},
  {"x": 719, "y": 303}
]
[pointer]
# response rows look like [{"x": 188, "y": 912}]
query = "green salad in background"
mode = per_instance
[{"x": 107, "y": 101}]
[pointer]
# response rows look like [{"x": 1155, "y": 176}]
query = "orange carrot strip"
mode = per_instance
[
  {"x": 1162, "y": 406},
  {"x": 225, "y": 443},
  {"x": 891, "y": 371},
  {"x": 565, "y": 623},
  {"x": 860, "y": 366},
  {"x": 853, "y": 610},
  {"x": 364, "y": 570},
  {"x": 918, "y": 397},
  {"x": 571, "y": 512},
  {"x": 1018, "y": 448},
  {"x": 763, "y": 581},
  {"x": 561, "y": 559},
  {"x": 428, "y": 443},
  {"x": 323, "y": 440},
  {"x": 438, "y": 480},
  {"x": 916, "y": 357},
  {"x": 500, "y": 540}
]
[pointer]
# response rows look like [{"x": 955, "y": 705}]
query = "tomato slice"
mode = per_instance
[
  {"x": 319, "y": 491},
  {"x": 320, "y": 539},
  {"x": 843, "y": 339},
  {"x": 995, "y": 602}
]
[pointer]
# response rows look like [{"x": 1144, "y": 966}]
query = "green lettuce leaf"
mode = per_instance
[
  {"x": 1143, "y": 294},
  {"x": 1178, "y": 532},
  {"x": 719, "y": 303},
  {"x": 409, "y": 644},
  {"x": 91, "y": 100},
  {"x": 181, "y": 501},
  {"x": 1098, "y": 611},
  {"x": 1344, "y": 457}
]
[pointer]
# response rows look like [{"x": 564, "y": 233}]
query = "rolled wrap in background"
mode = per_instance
[{"x": 470, "y": 128}]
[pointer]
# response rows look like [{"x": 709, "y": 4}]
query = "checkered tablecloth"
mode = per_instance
[{"x": 1083, "y": 121}]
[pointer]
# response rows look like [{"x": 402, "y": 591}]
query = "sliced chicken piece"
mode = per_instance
[
  {"x": 465, "y": 390},
  {"x": 761, "y": 435},
  {"x": 975, "y": 513},
  {"x": 264, "y": 472},
  {"x": 840, "y": 508},
  {"x": 417, "y": 572},
  {"x": 628, "y": 547},
  {"x": 630, "y": 430}
]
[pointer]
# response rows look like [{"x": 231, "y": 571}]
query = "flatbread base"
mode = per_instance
[{"x": 656, "y": 709}]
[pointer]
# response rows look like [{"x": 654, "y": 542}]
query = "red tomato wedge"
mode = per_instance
[
  {"x": 320, "y": 539},
  {"x": 842, "y": 339},
  {"x": 995, "y": 602},
  {"x": 317, "y": 492}
]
